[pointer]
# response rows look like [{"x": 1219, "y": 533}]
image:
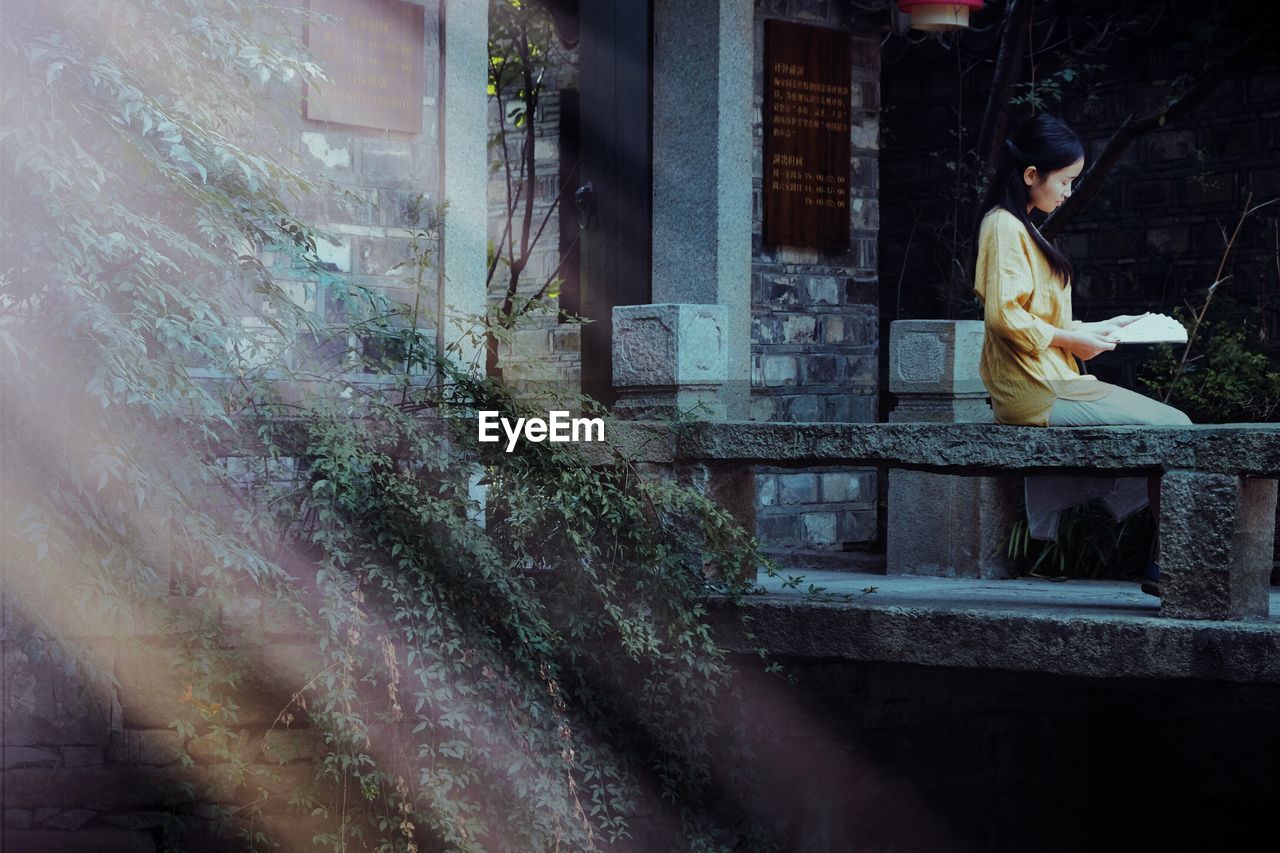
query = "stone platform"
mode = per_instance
[{"x": 1100, "y": 629}]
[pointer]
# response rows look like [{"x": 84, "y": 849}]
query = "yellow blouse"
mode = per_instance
[{"x": 1023, "y": 303}]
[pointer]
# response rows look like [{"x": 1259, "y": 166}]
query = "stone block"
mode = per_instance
[
  {"x": 824, "y": 291},
  {"x": 1167, "y": 145},
  {"x": 1217, "y": 537},
  {"x": 842, "y": 487},
  {"x": 856, "y": 526},
  {"x": 16, "y": 819},
  {"x": 42, "y": 705},
  {"x": 668, "y": 345},
  {"x": 383, "y": 160},
  {"x": 111, "y": 840},
  {"x": 821, "y": 369},
  {"x": 819, "y": 528},
  {"x": 1209, "y": 189},
  {"x": 799, "y": 328},
  {"x": 328, "y": 151},
  {"x": 81, "y": 756},
  {"x": 779, "y": 370},
  {"x": 139, "y": 821},
  {"x": 385, "y": 256},
  {"x": 765, "y": 330},
  {"x": 798, "y": 488},
  {"x": 148, "y": 746},
  {"x": 70, "y": 819},
  {"x": 935, "y": 357},
  {"x": 28, "y": 756},
  {"x": 217, "y": 748},
  {"x": 950, "y": 526},
  {"x": 334, "y": 253},
  {"x": 101, "y": 788},
  {"x": 285, "y": 746},
  {"x": 779, "y": 529},
  {"x": 803, "y": 408},
  {"x": 766, "y": 490}
]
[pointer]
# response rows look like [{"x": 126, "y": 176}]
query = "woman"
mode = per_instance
[{"x": 1029, "y": 355}]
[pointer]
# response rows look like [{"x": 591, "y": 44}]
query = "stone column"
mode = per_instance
[
  {"x": 941, "y": 524},
  {"x": 465, "y": 139},
  {"x": 672, "y": 360},
  {"x": 1217, "y": 533},
  {"x": 702, "y": 89}
]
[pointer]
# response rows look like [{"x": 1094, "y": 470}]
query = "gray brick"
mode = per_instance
[
  {"x": 764, "y": 409},
  {"x": 821, "y": 370},
  {"x": 856, "y": 526},
  {"x": 820, "y": 528},
  {"x": 841, "y": 487},
  {"x": 779, "y": 370},
  {"x": 804, "y": 408},
  {"x": 325, "y": 151},
  {"x": 799, "y": 328},
  {"x": 766, "y": 489},
  {"x": 387, "y": 160},
  {"x": 798, "y": 488},
  {"x": 387, "y": 256},
  {"x": 824, "y": 291},
  {"x": 764, "y": 329},
  {"x": 779, "y": 528}
]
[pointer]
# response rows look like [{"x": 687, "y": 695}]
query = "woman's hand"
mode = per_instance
[{"x": 1084, "y": 343}]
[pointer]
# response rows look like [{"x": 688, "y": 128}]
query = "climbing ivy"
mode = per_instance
[{"x": 508, "y": 651}]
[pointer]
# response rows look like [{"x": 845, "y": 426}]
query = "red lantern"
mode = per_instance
[{"x": 935, "y": 15}]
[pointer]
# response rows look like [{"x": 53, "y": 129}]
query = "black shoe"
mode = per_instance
[{"x": 1151, "y": 579}]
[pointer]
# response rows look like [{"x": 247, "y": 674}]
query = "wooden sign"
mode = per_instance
[
  {"x": 806, "y": 135},
  {"x": 373, "y": 56}
]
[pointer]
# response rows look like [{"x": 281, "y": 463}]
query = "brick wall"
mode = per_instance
[
  {"x": 815, "y": 323},
  {"x": 383, "y": 172}
]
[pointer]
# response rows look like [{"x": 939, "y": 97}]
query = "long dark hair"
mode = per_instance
[{"x": 1048, "y": 144}]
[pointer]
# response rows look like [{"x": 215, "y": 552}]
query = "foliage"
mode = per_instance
[
  {"x": 1227, "y": 378},
  {"x": 1090, "y": 544},
  {"x": 523, "y": 53},
  {"x": 510, "y": 651}
]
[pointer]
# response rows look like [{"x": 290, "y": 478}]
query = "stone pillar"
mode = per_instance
[
  {"x": 670, "y": 359},
  {"x": 465, "y": 139},
  {"x": 942, "y": 524},
  {"x": 1217, "y": 534},
  {"x": 702, "y": 90}
]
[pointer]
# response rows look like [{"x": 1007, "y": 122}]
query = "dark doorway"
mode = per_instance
[{"x": 614, "y": 190}]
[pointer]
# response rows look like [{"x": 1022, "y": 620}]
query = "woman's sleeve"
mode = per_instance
[{"x": 1008, "y": 289}]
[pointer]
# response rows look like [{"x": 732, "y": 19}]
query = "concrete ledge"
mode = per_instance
[
  {"x": 960, "y": 448},
  {"x": 1097, "y": 629}
]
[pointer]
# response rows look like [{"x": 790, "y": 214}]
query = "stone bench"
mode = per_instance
[{"x": 1218, "y": 482}]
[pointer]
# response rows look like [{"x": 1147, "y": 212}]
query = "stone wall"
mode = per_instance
[
  {"x": 92, "y": 766},
  {"x": 815, "y": 322},
  {"x": 383, "y": 173}
]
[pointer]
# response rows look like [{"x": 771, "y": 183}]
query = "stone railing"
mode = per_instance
[{"x": 1218, "y": 483}]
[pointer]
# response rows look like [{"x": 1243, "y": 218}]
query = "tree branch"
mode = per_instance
[{"x": 1133, "y": 127}]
